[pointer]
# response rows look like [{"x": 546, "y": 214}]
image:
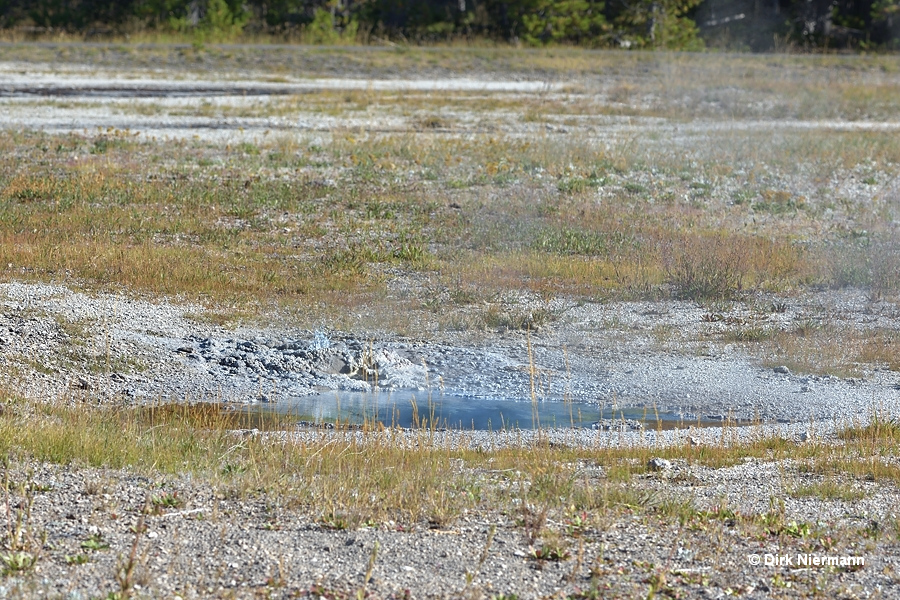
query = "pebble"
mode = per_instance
[{"x": 659, "y": 464}]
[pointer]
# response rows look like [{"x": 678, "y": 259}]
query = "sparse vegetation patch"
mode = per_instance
[{"x": 631, "y": 233}]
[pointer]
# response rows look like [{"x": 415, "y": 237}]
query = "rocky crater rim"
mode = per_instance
[{"x": 58, "y": 342}]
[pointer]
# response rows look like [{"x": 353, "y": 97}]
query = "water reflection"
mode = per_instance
[{"x": 420, "y": 409}]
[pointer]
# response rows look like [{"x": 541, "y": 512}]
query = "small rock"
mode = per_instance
[
  {"x": 617, "y": 425},
  {"x": 338, "y": 365},
  {"x": 782, "y": 370},
  {"x": 84, "y": 383},
  {"x": 658, "y": 464},
  {"x": 804, "y": 436},
  {"x": 185, "y": 350}
]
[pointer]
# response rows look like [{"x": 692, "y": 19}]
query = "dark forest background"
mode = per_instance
[{"x": 755, "y": 25}]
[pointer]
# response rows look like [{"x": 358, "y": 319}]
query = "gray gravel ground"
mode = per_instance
[
  {"x": 602, "y": 355},
  {"x": 216, "y": 545},
  {"x": 224, "y": 543}
]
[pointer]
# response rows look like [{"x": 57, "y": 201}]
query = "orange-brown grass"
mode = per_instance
[{"x": 288, "y": 224}]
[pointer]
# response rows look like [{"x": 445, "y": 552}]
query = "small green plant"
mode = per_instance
[
  {"x": 659, "y": 583},
  {"x": 773, "y": 519},
  {"x": 681, "y": 508},
  {"x": 161, "y": 503},
  {"x": 95, "y": 543},
  {"x": 777, "y": 202},
  {"x": 577, "y": 185},
  {"x": 577, "y": 523},
  {"x": 335, "y": 521},
  {"x": 138, "y": 527},
  {"x": 550, "y": 551},
  {"x": 410, "y": 250},
  {"x": 778, "y": 581},
  {"x": 16, "y": 562},
  {"x": 797, "y": 530},
  {"x": 100, "y": 146},
  {"x": 379, "y": 210},
  {"x": 720, "y": 513},
  {"x": 249, "y": 148},
  {"x": 231, "y": 469},
  {"x": 700, "y": 189},
  {"x": 77, "y": 559},
  {"x": 742, "y": 196},
  {"x": 271, "y": 525}
]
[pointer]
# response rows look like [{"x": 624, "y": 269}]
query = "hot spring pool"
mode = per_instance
[{"x": 421, "y": 409}]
